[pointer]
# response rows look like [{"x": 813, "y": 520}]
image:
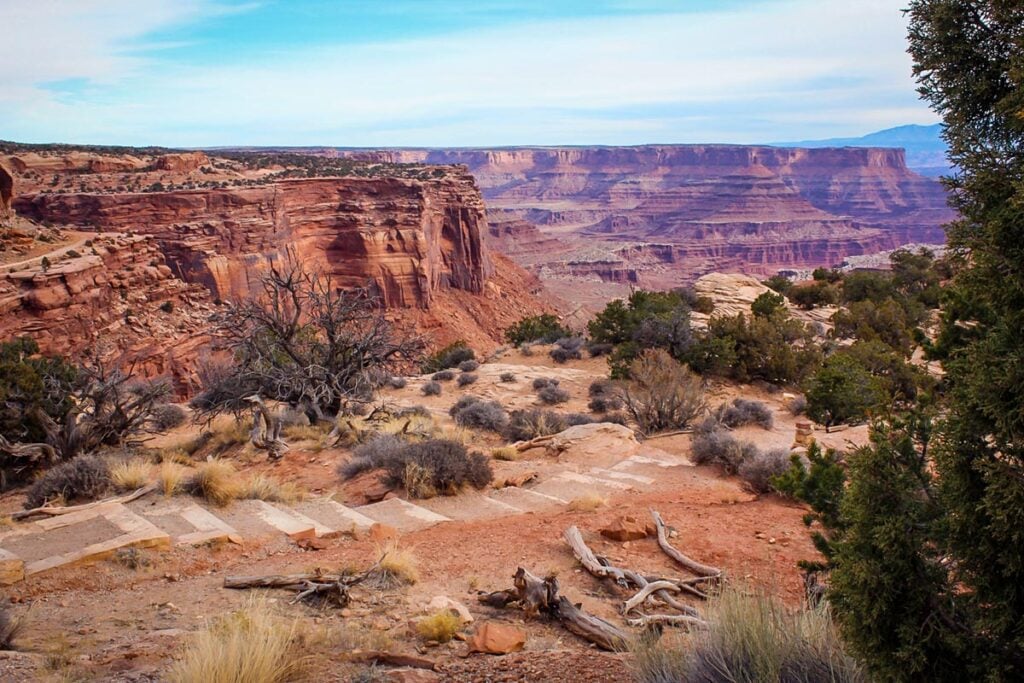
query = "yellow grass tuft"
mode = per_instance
[
  {"x": 129, "y": 475},
  {"x": 216, "y": 481},
  {"x": 252, "y": 645},
  {"x": 505, "y": 453},
  {"x": 262, "y": 487},
  {"x": 306, "y": 432},
  {"x": 397, "y": 566},
  {"x": 227, "y": 432},
  {"x": 170, "y": 477},
  {"x": 440, "y": 626},
  {"x": 588, "y": 502}
]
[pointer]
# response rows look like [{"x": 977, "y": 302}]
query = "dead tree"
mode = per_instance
[
  {"x": 317, "y": 587},
  {"x": 538, "y": 596},
  {"x": 266, "y": 429},
  {"x": 308, "y": 343}
]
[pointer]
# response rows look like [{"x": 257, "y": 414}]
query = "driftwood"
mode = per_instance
[
  {"x": 536, "y": 442},
  {"x": 646, "y": 587},
  {"x": 540, "y": 596},
  {"x": 703, "y": 570},
  {"x": 54, "y": 511},
  {"x": 314, "y": 587},
  {"x": 645, "y": 620}
]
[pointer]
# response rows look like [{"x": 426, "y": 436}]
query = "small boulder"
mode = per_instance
[
  {"x": 495, "y": 638},
  {"x": 628, "y": 528},
  {"x": 411, "y": 676},
  {"x": 443, "y": 602}
]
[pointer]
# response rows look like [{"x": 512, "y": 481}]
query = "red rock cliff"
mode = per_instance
[{"x": 410, "y": 238}]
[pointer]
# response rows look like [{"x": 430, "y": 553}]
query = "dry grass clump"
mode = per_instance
[
  {"x": 752, "y": 637},
  {"x": 262, "y": 487},
  {"x": 83, "y": 478},
  {"x": 215, "y": 481},
  {"x": 252, "y": 645},
  {"x": 129, "y": 475},
  {"x": 307, "y": 432},
  {"x": 713, "y": 445},
  {"x": 588, "y": 502},
  {"x": 170, "y": 477},
  {"x": 226, "y": 432},
  {"x": 397, "y": 567},
  {"x": 440, "y": 627},
  {"x": 507, "y": 377},
  {"x": 375, "y": 453},
  {"x": 529, "y": 424},
  {"x": 507, "y": 453}
]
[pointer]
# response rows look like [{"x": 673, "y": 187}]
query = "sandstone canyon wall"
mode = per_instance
[
  {"x": 410, "y": 239},
  {"x": 111, "y": 296},
  {"x": 665, "y": 214}
]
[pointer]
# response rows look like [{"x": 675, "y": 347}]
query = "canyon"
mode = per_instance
[
  {"x": 600, "y": 219},
  {"x": 417, "y": 241}
]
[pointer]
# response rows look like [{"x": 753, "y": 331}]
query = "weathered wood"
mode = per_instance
[
  {"x": 645, "y": 620},
  {"x": 535, "y": 594},
  {"x": 276, "y": 581},
  {"x": 704, "y": 570},
  {"x": 604, "y": 634},
  {"x": 317, "y": 587},
  {"x": 589, "y": 561},
  {"x": 645, "y": 592},
  {"x": 536, "y": 442},
  {"x": 54, "y": 511}
]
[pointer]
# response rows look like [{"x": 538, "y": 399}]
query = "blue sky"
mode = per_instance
[{"x": 451, "y": 72}]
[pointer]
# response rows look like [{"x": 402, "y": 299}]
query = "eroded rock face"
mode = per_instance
[
  {"x": 115, "y": 297},
  {"x": 411, "y": 239},
  {"x": 183, "y": 162},
  {"x": 6, "y": 192},
  {"x": 662, "y": 215}
]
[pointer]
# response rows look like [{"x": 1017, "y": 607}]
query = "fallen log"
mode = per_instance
[
  {"x": 644, "y": 620},
  {"x": 314, "y": 587},
  {"x": 590, "y": 562},
  {"x": 540, "y": 596},
  {"x": 703, "y": 570},
  {"x": 54, "y": 511}
]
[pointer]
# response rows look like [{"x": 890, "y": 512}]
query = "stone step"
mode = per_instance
[
  {"x": 77, "y": 538},
  {"x": 331, "y": 513},
  {"x": 259, "y": 519},
  {"x": 569, "y": 485},
  {"x": 186, "y": 522},
  {"x": 618, "y": 475},
  {"x": 526, "y": 500},
  {"x": 469, "y": 505},
  {"x": 647, "y": 465},
  {"x": 401, "y": 514}
]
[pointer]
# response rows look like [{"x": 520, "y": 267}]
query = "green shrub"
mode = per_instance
[
  {"x": 815, "y": 294},
  {"x": 843, "y": 391},
  {"x": 544, "y": 328},
  {"x": 768, "y": 303},
  {"x": 779, "y": 283},
  {"x": 448, "y": 357}
]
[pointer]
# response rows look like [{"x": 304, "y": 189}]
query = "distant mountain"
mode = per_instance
[{"x": 926, "y": 150}]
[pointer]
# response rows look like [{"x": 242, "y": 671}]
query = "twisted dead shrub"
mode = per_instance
[{"x": 661, "y": 394}]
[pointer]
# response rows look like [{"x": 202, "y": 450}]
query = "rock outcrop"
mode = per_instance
[
  {"x": 662, "y": 215},
  {"x": 411, "y": 239},
  {"x": 182, "y": 162},
  {"x": 113, "y": 296}
]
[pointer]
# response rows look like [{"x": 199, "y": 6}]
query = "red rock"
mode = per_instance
[
  {"x": 183, "y": 162},
  {"x": 382, "y": 533},
  {"x": 495, "y": 638},
  {"x": 628, "y": 528},
  {"x": 411, "y": 676},
  {"x": 6, "y": 191}
]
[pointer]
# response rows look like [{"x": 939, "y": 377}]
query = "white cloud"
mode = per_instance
[{"x": 771, "y": 71}]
